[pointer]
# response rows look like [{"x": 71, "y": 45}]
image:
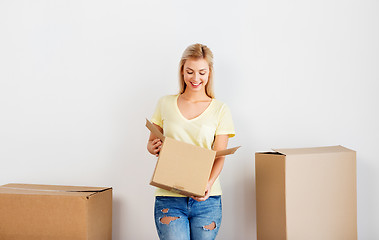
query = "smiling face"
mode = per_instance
[{"x": 195, "y": 74}]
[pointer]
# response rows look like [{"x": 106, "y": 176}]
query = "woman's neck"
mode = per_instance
[{"x": 195, "y": 96}]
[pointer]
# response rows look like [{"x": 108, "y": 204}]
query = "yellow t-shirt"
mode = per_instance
[{"x": 199, "y": 131}]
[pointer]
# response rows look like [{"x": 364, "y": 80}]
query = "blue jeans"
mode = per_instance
[{"x": 183, "y": 218}]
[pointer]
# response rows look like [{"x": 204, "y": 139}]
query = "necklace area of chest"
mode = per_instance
[{"x": 191, "y": 110}]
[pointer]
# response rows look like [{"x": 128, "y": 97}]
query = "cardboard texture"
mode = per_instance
[
  {"x": 181, "y": 167},
  {"x": 306, "y": 193},
  {"x": 46, "y": 212}
]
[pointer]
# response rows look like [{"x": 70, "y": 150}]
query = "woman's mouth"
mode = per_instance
[{"x": 195, "y": 85}]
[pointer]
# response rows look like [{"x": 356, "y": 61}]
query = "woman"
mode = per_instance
[{"x": 193, "y": 116}]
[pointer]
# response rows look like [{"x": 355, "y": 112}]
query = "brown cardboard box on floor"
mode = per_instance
[
  {"x": 181, "y": 167},
  {"x": 306, "y": 193},
  {"x": 48, "y": 212}
]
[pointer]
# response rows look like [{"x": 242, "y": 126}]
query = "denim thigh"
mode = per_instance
[
  {"x": 189, "y": 219},
  {"x": 205, "y": 219},
  {"x": 176, "y": 207}
]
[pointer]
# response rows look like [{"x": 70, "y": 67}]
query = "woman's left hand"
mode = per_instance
[{"x": 207, "y": 193}]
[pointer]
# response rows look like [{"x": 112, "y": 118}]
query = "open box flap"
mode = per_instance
[
  {"x": 226, "y": 151},
  {"x": 154, "y": 130},
  {"x": 158, "y": 134}
]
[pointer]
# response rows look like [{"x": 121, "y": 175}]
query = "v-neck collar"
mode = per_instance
[{"x": 192, "y": 119}]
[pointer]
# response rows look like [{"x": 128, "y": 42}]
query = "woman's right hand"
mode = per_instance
[{"x": 154, "y": 146}]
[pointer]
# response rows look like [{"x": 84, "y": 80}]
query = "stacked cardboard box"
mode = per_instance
[
  {"x": 48, "y": 212},
  {"x": 307, "y": 193}
]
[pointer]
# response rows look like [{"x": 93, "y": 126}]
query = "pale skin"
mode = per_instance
[{"x": 191, "y": 104}]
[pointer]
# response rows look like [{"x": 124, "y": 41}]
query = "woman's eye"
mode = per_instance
[
  {"x": 189, "y": 72},
  {"x": 202, "y": 73}
]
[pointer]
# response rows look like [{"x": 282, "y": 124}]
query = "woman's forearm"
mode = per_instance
[{"x": 216, "y": 169}]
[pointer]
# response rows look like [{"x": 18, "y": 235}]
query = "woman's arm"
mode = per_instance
[
  {"x": 220, "y": 143},
  {"x": 154, "y": 144}
]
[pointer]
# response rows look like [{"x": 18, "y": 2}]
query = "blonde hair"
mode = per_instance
[{"x": 197, "y": 51}]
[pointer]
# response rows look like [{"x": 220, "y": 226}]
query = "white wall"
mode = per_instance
[{"x": 77, "y": 79}]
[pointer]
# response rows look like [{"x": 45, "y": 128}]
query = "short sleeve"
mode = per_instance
[
  {"x": 225, "y": 124},
  {"x": 157, "y": 116}
]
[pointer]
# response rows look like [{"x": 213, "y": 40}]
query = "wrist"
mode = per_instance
[{"x": 211, "y": 182}]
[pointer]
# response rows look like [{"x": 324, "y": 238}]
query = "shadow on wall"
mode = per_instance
[
  {"x": 116, "y": 219},
  {"x": 248, "y": 183},
  {"x": 240, "y": 208},
  {"x": 366, "y": 200}
]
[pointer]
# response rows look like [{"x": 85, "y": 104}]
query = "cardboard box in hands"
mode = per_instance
[{"x": 181, "y": 167}]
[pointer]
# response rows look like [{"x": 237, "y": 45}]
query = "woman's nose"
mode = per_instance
[{"x": 197, "y": 76}]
